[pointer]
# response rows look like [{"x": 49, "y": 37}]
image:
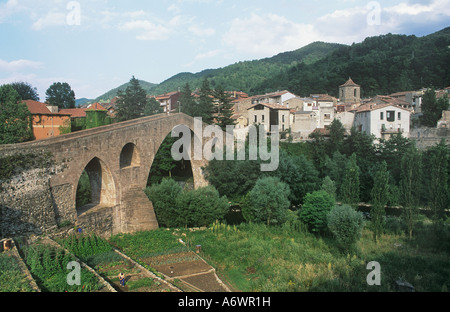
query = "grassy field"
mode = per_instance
[
  {"x": 280, "y": 259},
  {"x": 255, "y": 257}
]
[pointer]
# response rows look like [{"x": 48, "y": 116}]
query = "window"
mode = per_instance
[
  {"x": 262, "y": 118},
  {"x": 354, "y": 92},
  {"x": 327, "y": 116},
  {"x": 282, "y": 118},
  {"x": 381, "y": 115},
  {"x": 256, "y": 119},
  {"x": 390, "y": 115},
  {"x": 399, "y": 116}
]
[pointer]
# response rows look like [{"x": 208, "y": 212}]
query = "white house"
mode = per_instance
[{"x": 382, "y": 120}]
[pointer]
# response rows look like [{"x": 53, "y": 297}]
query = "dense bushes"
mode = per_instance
[
  {"x": 175, "y": 207},
  {"x": 346, "y": 225},
  {"x": 267, "y": 202},
  {"x": 315, "y": 209}
]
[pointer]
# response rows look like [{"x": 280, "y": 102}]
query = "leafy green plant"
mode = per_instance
[
  {"x": 315, "y": 209},
  {"x": 48, "y": 265},
  {"x": 346, "y": 225},
  {"x": 267, "y": 202}
]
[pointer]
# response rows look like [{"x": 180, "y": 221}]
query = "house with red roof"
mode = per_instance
[{"x": 47, "y": 121}]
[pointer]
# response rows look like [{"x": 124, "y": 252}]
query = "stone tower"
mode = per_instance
[{"x": 350, "y": 92}]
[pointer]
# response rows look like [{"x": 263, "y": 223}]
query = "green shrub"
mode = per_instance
[
  {"x": 346, "y": 225},
  {"x": 315, "y": 209},
  {"x": 201, "y": 207},
  {"x": 164, "y": 198},
  {"x": 394, "y": 225},
  {"x": 267, "y": 202}
]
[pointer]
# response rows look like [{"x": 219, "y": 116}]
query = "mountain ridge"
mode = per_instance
[{"x": 377, "y": 63}]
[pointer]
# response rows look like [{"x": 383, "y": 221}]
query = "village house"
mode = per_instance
[
  {"x": 382, "y": 120},
  {"x": 270, "y": 115},
  {"x": 170, "y": 102},
  {"x": 77, "y": 117},
  {"x": 326, "y": 108},
  {"x": 46, "y": 120}
]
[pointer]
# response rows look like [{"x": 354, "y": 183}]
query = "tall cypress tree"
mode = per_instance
[
  {"x": 380, "y": 196},
  {"x": 131, "y": 102},
  {"x": 205, "y": 103},
  {"x": 225, "y": 108},
  {"x": 350, "y": 184},
  {"x": 438, "y": 184},
  {"x": 187, "y": 101},
  {"x": 410, "y": 181}
]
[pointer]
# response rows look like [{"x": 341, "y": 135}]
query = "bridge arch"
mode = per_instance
[
  {"x": 130, "y": 156},
  {"x": 102, "y": 185}
]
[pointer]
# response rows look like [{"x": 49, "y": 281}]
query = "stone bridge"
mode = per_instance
[{"x": 117, "y": 158}]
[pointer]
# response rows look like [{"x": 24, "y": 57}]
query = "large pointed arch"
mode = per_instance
[{"x": 101, "y": 185}]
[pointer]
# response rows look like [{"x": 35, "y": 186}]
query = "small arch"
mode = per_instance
[
  {"x": 101, "y": 186},
  {"x": 129, "y": 157}
]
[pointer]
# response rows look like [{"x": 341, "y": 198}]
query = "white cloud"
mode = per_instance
[
  {"x": 18, "y": 65},
  {"x": 147, "y": 30},
  {"x": 51, "y": 19},
  {"x": 267, "y": 34}
]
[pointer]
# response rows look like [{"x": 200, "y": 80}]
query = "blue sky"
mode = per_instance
[{"x": 99, "y": 44}]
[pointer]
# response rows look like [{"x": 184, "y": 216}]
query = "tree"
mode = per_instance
[
  {"x": 432, "y": 108},
  {"x": 61, "y": 95},
  {"x": 380, "y": 197},
  {"x": 187, "y": 101},
  {"x": 205, "y": 107},
  {"x": 267, "y": 202},
  {"x": 131, "y": 102},
  {"x": 225, "y": 108},
  {"x": 438, "y": 184},
  {"x": 349, "y": 191},
  {"x": 15, "y": 118},
  {"x": 346, "y": 225},
  {"x": 163, "y": 163},
  {"x": 329, "y": 186},
  {"x": 315, "y": 210},
  {"x": 410, "y": 181},
  {"x": 337, "y": 135},
  {"x": 300, "y": 174},
  {"x": 201, "y": 207},
  {"x": 152, "y": 107},
  {"x": 26, "y": 91},
  {"x": 164, "y": 198}
]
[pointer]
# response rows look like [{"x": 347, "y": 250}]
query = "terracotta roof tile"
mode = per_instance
[
  {"x": 74, "y": 112},
  {"x": 350, "y": 83},
  {"x": 36, "y": 108},
  {"x": 96, "y": 106}
]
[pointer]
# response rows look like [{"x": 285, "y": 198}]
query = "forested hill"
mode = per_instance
[
  {"x": 244, "y": 76},
  {"x": 241, "y": 76},
  {"x": 381, "y": 65}
]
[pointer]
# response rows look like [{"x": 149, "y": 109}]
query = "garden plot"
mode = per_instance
[
  {"x": 188, "y": 268},
  {"x": 100, "y": 255},
  {"x": 48, "y": 263},
  {"x": 14, "y": 276},
  {"x": 164, "y": 252}
]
